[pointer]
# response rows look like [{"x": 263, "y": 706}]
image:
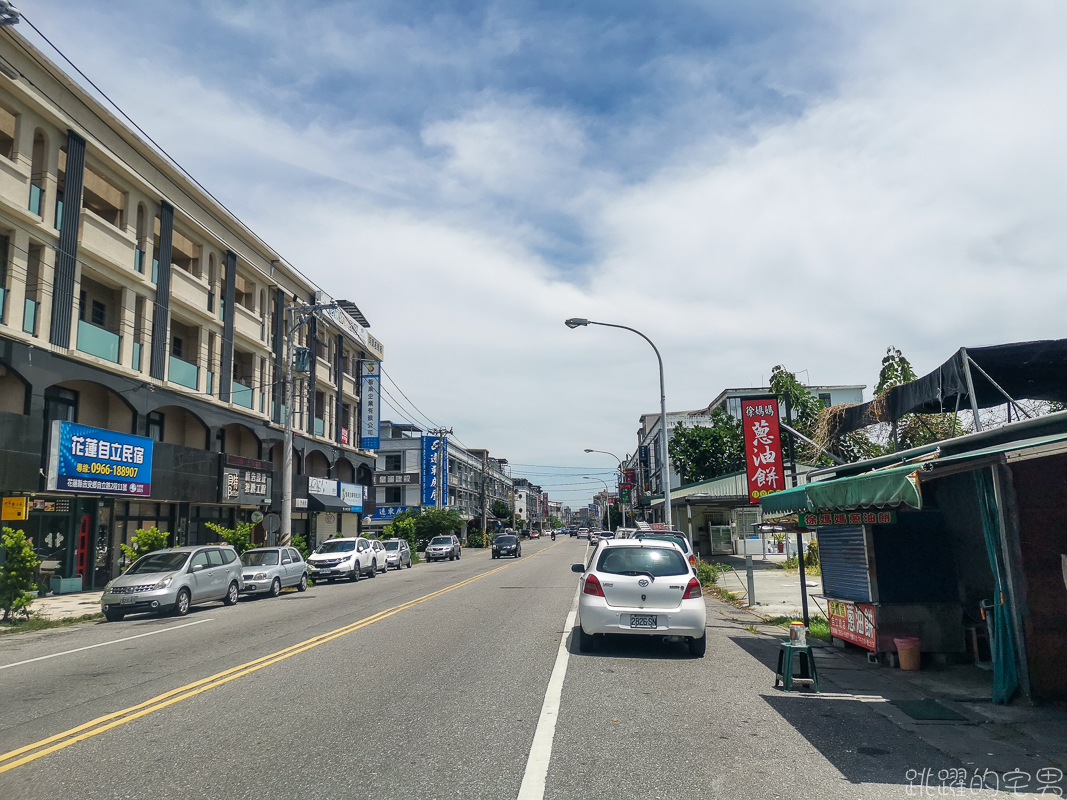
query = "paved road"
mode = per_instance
[{"x": 427, "y": 683}]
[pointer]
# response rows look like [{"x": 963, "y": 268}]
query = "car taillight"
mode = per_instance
[
  {"x": 692, "y": 559},
  {"x": 692, "y": 591},
  {"x": 593, "y": 587}
]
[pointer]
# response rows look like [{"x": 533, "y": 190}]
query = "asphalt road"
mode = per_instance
[{"x": 424, "y": 683}]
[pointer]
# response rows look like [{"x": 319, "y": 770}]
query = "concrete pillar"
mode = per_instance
[{"x": 127, "y": 322}]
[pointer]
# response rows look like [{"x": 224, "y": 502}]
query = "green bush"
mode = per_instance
[
  {"x": 240, "y": 539},
  {"x": 403, "y": 527},
  {"x": 17, "y": 574},
  {"x": 477, "y": 539},
  {"x": 300, "y": 544},
  {"x": 145, "y": 541},
  {"x": 708, "y": 572},
  {"x": 811, "y": 555}
]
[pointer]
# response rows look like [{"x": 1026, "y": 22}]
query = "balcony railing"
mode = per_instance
[
  {"x": 29, "y": 316},
  {"x": 183, "y": 373},
  {"x": 138, "y": 261},
  {"x": 35, "y": 199},
  {"x": 136, "y": 356},
  {"x": 320, "y": 426},
  {"x": 98, "y": 342},
  {"x": 241, "y": 394}
]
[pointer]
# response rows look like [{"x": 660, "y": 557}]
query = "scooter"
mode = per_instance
[{"x": 553, "y": 536}]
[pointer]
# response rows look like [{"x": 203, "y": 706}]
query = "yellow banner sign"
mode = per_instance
[{"x": 14, "y": 508}]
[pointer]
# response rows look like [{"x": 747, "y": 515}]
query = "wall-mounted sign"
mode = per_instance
[
  {"x": 642, "y": 454},
  {"x": 827, "y": 518},
  {"x": 369, "y": 412},
  {"x": 388, "y": 512},
  {"x": 352, "y": 496},
  {"x": 15, "y": 508},
  {"x": 853, "y": 622},
  {"x": 396, "y": 478},
  {"x": 323, "y": 486},
  {"x": 434, "y": 470},
  {"x": 300, "y": 502},
  {"x": 84, "y": 459},
  {"x": 763, "y": 447},
  {"x": 245, "y": 481}
]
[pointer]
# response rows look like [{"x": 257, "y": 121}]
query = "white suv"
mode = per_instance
[
  {"x": 345, "y": 558},
  {"x": 643, "y": 588}
]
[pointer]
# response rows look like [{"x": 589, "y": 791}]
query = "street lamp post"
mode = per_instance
[
  {"x": 622, "y": 506},
  {"x": 665, "y": 469},
  {"x": 607, "y": 501}
]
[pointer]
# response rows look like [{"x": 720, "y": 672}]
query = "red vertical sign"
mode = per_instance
[{"x": 763, "y": 447}]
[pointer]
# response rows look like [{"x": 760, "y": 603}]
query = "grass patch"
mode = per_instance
[
  {"x": 818, "y": 627},
  {"x": 41, "y": 624},
  {"x": 792, "y": 565},
  {"x": 752, "y": 628}
]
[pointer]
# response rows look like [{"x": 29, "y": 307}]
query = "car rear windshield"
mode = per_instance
[
  {"x": 392, "y": 545},
  {"x": 505, "y": 540},
  {"x": 657, "y": 561},
  {"x": 441, "y": 540},
  {"x": 336, "y": 547},
  {"x": 158, "y": 562},
  {"x": 260, "y": 558},
  {"x": 664, "y": 537}
]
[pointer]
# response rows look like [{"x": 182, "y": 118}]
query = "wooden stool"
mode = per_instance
[{"x": 805, "y": 660}]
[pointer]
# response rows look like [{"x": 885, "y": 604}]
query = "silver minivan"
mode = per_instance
[{"x": 174, "y": 580}]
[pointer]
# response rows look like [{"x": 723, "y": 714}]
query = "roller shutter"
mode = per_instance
[{"x": 843, "y": 559}]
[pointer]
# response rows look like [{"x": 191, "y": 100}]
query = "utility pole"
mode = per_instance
[{"x": 485, "y": 493}]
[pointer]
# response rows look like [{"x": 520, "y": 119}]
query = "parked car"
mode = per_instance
[
  {"x": 174, "y": 580},
  {"x": 397, "y": 553},
  {"x": 596, "y": 536},
  {"x": 442, "y": 547},
  {"x": 348, "y": 557},
  {"x": 381, "y": 555},
  {"x": 506, "y": 546},
  {"x": 268, "y": 570},
  {"x": 643, "y": 588}
]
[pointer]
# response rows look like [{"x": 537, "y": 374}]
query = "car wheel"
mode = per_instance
[
  {"x": 697, "y": 647},
  {"x": 303, "y": 586},
  {"x": 181, "y": 603},
  {"x": 355, "y": 576},
  {"x": 276, "y": 588},
  {"x": 459, "y": 555},
  {"x": 374, "y": 569},
  {"x": 586, "y": 642},
  {"x": 409, "y": 565},
  {"x": 113, "y": 616},
  {"x": 232, "y": 594}
]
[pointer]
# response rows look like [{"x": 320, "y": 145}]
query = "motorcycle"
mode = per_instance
[{"x": 553, "y": 536}]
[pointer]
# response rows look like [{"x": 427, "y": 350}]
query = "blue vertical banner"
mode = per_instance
[
  {"x": 370, "y": 406},
  {"x": 434, "y": 474}
]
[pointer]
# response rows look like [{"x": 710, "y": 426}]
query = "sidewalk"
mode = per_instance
[
  {"x": 777, "y": 590},
  {"x": 66, "y": 606},
  {"x": 966, "y": 726}
]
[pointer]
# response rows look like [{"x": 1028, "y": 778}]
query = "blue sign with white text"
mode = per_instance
[
  {"x": 84, "y": 459},
  {"x": 370, "y": 400},
  {"x": 388, "y": 512},
  {"x": 434, "y": 470}
]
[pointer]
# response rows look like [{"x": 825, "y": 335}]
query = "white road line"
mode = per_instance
[
  {"x": 102, "y": 644},
  {"x": 533, "y": 780}
]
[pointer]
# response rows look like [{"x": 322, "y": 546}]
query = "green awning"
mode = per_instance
[{"x": 880, "y": 489}]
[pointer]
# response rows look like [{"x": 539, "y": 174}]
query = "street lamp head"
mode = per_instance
[
  {"x": 588, "y": 450},
  {"x": 576, "y": 322}
]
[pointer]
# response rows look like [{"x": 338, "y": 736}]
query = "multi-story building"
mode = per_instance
[
  {"x": 405, "y": 475},
  {"x": 527, "y": 504},
  {"x": 142, "y": 344}
]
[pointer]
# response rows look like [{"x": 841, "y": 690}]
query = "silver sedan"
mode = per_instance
[{"x": 268, "y": 570}]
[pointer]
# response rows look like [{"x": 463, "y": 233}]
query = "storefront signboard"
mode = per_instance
[
  {"x": 853, "y": 622},
  {"x": 396, "y": 478},
  {"x": 434, "y": 474},
  {"x": 97, "y": 461},
  {"x": 763, "y": 447},
  {"x": 352, "y": 496},
  {"x": 323, "y": 486},
  {"x": 370, "y": 399},
  {"x": 388, "y": 512},
  {"x": 15, "y": 508},
  {"x": 245, "y": 481},
  {"x": 824, "y": 519}
]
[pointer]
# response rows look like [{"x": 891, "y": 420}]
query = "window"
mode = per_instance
[
  {"x": 8, "y": 123},
  {"x": 658, "y": 562},
  {"x": 199, "y": 560},
  {"x": 99, "y": 313},
  {"x": 154, "y": 423},
  {"x": 214, "y": 558},
  {"x": 394, "y": 495},
  {"x": 394, "y": 462},
  {"x": 295, "y": 555},
  {"x": 824, "y": 398},
  {"x": 176, "y": 347},
  {"x": 228, "y": 556}
]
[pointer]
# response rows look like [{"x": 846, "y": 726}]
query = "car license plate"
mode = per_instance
[
  {"x": 642, "y": 621},
  {"x": 128, "y": 601}
]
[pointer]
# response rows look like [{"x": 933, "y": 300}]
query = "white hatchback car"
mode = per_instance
[{"x": 641, "y": 587}]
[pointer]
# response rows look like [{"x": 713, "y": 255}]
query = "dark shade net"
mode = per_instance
[{"x": 1025, "y": 370}]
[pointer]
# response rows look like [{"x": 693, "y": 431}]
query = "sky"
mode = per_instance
[{"x": 749, "y": 184}]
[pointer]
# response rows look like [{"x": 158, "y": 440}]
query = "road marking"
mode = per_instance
[
  {"x": 31, "y": 752},
  {"x": 104, "y": 644},
  {"x": 533, "y": 780}
]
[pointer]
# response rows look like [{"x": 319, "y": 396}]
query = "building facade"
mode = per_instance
[{"x": 137, "y": 313}]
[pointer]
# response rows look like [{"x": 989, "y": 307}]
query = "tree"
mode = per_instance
[
  {"x": 912, "y": 430},
  {"x": 500, "y": 510},
  {"x": 435, "y": 522},
  {"x": 17, "y": 574},
  {"x": 240, "y": 539},
  {"x": 700, "y": 454},
  {"x": 403, "y": 527},
  {"x": 144, "y": 541}
]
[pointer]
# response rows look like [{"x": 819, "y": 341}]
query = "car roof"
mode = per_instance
[
  {"x": 190, "y": 548},
  {"x": 269, "y": 547},
  {"x": 613, "y": 543}
]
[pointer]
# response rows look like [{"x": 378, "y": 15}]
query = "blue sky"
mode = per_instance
[{"x": 751, "y": 184}]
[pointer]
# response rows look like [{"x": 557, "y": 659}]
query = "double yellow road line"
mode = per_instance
[{"x": 31, "y": 752}]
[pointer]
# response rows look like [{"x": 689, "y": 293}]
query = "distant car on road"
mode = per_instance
[
  {"x": 642, "y": 588},
  {"x": 174, "y": 580},
  {"x": 535, "y": 534},
  {"x": 442, "y": 547},
  {"x": 507, "y": 546},
  {"x": 583, "y": 533},
  {"x": 343, "y": 557},
  {"x": 596, "y": 536},
  {"x": 397, "y": 554},
  {"x": 268, "y": 570}
]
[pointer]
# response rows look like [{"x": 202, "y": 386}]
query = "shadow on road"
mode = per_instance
[{"x": 622, "y": 646}]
